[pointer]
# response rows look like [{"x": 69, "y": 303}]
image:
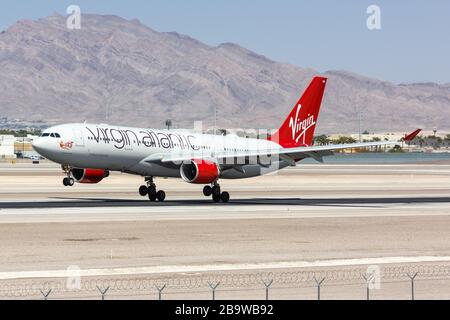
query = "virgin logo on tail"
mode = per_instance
[{"x": 300, "y": 127}]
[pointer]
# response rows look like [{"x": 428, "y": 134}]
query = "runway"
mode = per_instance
[
  {"x": 31, "y": 193},
  {"x": 135, "y": 271},
  {"x": 301, "y": 216},
  {"x": 139, "y": 210}
]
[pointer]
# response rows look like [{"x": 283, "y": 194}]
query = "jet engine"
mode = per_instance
[
  {"x": 89, "y": 175},
  {"x": 199, "y": 171}
]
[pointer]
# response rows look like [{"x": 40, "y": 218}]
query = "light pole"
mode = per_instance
[
  {"x": 215, "y": 119},
  {"x": 168, "y": 124},
  {"x": 359, "y": 121}
]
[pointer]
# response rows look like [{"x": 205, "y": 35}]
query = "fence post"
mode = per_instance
[
  {"x": 412, "y": 276},
  {"x": 103, "y": 292},
  {"x": 45, "y": 294},
  {"x": 267, "y": 285},
  {"x": 318, "y": 284},
  {"x": 368, "y": 279},
  {"x": 213, "y": 287},
  {"x": 160, "y": 290}
]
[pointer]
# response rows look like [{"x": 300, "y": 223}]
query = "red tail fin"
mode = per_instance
[
  {"x": 298, "y": 128},
  {"x": 412, "y": 135}
]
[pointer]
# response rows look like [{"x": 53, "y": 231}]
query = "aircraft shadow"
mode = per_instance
[{"x": 73, "y": 202}]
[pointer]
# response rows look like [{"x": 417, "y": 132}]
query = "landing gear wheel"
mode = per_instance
[
  {"x": 207, "y": 191},
  {"x": 68, "y": 182},
  {"x": 216, "y": 197},
  {"x": 161, "y": 195},
  {"x": 143, "y": 190},
  {"x": 151, "y": 189},
  {"x": 225, "y": 197},
  {"x": 216, "y": 191},
  {"x": 152, "y": 196}
]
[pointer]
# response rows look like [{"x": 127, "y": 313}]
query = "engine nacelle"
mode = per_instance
[
  {"x": 199, "y": 171},
  {"x": 89, "y": 175}
]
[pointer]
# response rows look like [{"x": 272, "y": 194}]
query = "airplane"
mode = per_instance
[{"x": 88, "y": 152}]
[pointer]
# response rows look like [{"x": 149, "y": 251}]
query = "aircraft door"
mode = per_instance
[
  {"x": 78, "y": 137},
  {"x": 128, "y": 143}
]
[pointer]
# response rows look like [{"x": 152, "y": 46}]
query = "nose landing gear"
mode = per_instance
[
  {"x": 216, "y": 193},
  {"x": 150, "y": 190},
  {"x": 68, "y": 181}
]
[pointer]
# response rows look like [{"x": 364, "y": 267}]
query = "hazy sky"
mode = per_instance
[{"x": 412, "y": 46}]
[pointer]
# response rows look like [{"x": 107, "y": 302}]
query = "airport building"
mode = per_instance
[
  {"x": 7, "y": 147},
  {"x": 23, "y": 147},
  {"x": 24, "y": 144}
]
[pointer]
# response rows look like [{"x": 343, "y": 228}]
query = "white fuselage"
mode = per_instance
[{"x": 136, "y": 150}]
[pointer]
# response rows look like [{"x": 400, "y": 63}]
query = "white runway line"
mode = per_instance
[{"x": 218, "y": 267}]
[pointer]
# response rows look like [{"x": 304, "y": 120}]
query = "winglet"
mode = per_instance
[{"x": 412, "y": 135}]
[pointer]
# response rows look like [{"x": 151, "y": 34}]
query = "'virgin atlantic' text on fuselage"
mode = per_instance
[{"x": 120, "y": 138}]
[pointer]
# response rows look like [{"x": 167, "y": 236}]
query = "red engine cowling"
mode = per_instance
[
  {"x": 199, "y": 171},
  {"x": 89, "y": 175}
]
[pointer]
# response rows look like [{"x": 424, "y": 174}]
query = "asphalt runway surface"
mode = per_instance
[{"x": 303, "y": 218}]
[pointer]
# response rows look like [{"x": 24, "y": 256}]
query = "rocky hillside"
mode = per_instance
[{"x": 123, "y": 72}]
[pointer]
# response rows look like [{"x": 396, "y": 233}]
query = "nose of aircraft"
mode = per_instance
[{"x": 41, "y": 146}]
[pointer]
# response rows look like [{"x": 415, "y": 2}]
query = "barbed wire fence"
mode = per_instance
[{"x": 206, "y": 286}]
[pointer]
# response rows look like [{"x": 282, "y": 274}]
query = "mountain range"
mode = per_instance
[{"x": 123, "y": 72}]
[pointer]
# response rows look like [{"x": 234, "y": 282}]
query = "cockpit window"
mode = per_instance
[{"x": 53, "y": 135}]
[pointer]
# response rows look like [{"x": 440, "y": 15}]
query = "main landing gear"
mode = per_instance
[
  {"x": 215, "y": 192},
  {"x": 68, "y": 181},
  {"x": 150, "y": 190}
]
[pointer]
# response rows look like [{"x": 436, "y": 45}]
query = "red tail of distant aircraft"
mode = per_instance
[{"x": 411, "y": 136}]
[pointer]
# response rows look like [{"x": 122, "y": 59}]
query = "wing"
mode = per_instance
[{"x": 290, "y": 155}]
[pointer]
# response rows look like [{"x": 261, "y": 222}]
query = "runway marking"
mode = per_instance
[
  {"x": 218, "y": 267},
  {"x": 230, "y": 212},
  {"x": 244, "y": 209}
]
